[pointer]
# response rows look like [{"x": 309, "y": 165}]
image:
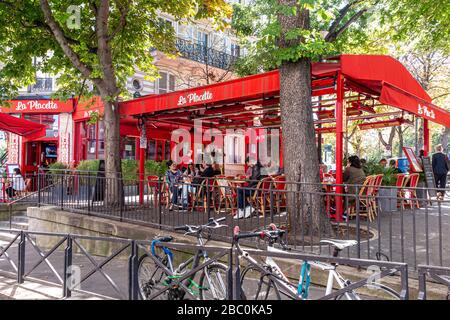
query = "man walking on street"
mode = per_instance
[{"x": 440, "y": 169}]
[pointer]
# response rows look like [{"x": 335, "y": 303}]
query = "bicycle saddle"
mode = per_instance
[
  {"x": 164, "y": 239},
  {"x": 340, "y": 244}
]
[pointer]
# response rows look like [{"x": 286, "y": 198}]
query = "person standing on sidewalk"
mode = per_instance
[{"x": 440, "y": 170}]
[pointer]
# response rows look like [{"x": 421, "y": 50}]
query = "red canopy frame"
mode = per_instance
[{"x": 235, "y": 103}]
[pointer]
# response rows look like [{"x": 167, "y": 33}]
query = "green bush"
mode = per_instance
[
  {"x": 57, "y": 168},
  {"x": 155, "y": 168},
  {"x": 129, "y": 171},
  {"x": 88, "y": 165},
  {"x": 372, "y": 167}
]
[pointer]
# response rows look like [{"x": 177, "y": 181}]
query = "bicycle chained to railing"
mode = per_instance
[
  {"x": 266, "y": 281},
  {"x": 211, "y": 283}
]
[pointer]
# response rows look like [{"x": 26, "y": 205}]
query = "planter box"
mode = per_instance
[
  {"x": 387, "y": 204},
  {"x": 421, "y": 194}
]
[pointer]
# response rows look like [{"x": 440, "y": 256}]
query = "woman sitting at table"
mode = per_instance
[
  {"x": 245, "y": 210},
  {"x": 173, "y": 178},
  {"x": 354, "y": 174}
]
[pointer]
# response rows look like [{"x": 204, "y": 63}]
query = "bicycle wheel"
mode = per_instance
[
  {"x": 257, "y": 285},
  {"x": 213, "y": 282},
  {"x": 151, "y": 278},
  {"x": 373, "y": 291}
]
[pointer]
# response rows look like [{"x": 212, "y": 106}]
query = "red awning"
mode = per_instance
[
  {"x": 386, "y": 79},
  {"x": 380, "y": 77},
  {"x": 21, "y": 127}
]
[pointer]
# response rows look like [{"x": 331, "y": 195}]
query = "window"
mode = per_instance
[
  {"x": 235, "y": 50},
  {"x": 202, "y": 38},
  {"x": 137, "y": 85},
  {"x": 129, "y": 148},
  {"x": 158, "y": 150},
  {"x": 96, "y": 141},
  {"x": 51, "y": 122},
  {"x": 166, "y": 83},
  {"x": 186, "y": 31}
]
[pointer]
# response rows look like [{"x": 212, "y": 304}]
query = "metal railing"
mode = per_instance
[
  {"x": 41, "y": 85},
  {"x": 205, "y": 54},
  {"x": 438, "y": 274},
  {"x": 386, "y": 225},
  {"x": 65, "y": 250}
]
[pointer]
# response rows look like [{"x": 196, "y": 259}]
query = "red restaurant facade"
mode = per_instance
[{"x": 349, "y": 87}]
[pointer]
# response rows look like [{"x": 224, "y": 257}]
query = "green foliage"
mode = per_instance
[
  {"x": 134, "y": 28},
  {"x": 155, "y": 168},
  {"x": 260, "y": 21},
  {"x": 372, "y": 167},
  {"x": 88, "y": 166},
  {"x": 424, "y": 21},
  {"x": 129, "y": 171},
  {"x": 57, "y": 168}
]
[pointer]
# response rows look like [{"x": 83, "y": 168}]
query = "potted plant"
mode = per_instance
[
  {"x": 387, "y": 194},
  {"x": 59, "y": 177},
  {"x": 388, "y": 191}
]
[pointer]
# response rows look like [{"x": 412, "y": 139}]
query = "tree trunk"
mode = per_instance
[
  {"x": 113, "y": 168},
  {"x": 400, "y": 142},
  {"x": 444, "y": 139},
  {"x": 305, "y": 209},
  {"x": 301, "y": 162}
]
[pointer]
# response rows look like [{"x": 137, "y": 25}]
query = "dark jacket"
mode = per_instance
[
  {"x": 256, "y": 176},
  {"x": 439, "y": 163}
]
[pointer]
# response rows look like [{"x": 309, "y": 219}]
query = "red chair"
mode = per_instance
[
  {"x": 279, "y": 183},
  {"x": 410, "y": 197}
]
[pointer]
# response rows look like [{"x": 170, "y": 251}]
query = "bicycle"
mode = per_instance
[
  {"x": 273, "y": 284},
  {"x": 211, "y": 283}
]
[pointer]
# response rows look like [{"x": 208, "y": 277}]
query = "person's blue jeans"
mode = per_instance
[
  {"x": 242, "y": 195},
  {"x": 174, "y": 189},
  {"x": 186, "y": 189}
]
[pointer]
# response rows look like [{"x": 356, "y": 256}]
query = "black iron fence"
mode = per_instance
[
  {"x": 389, "y": 223},
  {"x": 69, "y": 261},
  {"x": 440, "y": 275},
  {"x": 206, "y": 55}
]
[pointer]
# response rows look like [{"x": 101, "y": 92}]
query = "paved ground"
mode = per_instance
[{"x": 418, "y": 236}]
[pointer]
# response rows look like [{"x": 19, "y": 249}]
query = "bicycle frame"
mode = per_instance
[
  {"x": 286, "y": 287},
  {"x": 195, "y": 260}
]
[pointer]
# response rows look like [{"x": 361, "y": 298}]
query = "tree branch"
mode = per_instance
[
  {"x": 63, "y": 41},
  {"x": 122, "y": 21},
  {"x": 334, "y": 35},
  {"x": 104, "y": 49}
]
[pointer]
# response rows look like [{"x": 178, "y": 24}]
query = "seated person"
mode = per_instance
[
  {"x": 392, "y": 164},
  {"x": 354, "y": 174},
  {"x": 17, "y": 184},
  {"x": 173, "y": 178},
  {"x": 245, "y": 210}
]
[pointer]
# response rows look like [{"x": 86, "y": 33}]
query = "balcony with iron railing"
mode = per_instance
[
  {"x": 41, "y": 85},
  {"x": 206, "y": 55}
]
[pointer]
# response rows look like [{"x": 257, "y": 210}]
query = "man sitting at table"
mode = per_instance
[
  {"x": 244, "y": 209},
  {"x": 354, "y": 174}
]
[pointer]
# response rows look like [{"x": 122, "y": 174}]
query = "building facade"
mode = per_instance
[{"x": 205, "y": 56}]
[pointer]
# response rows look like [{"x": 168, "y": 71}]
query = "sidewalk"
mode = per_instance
[{"x": 34, "y": 289}]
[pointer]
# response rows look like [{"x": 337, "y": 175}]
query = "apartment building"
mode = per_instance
[{"x": 205, "y": 56}]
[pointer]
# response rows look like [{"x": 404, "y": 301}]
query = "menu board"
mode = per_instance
[
  {"x": 429, "y": 176},
  {"x": 413, "y": 160}
]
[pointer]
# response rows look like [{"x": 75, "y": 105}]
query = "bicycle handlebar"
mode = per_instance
[
  {"x": 272, "y": 234},
  {"x": 211, "y": 224}
]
